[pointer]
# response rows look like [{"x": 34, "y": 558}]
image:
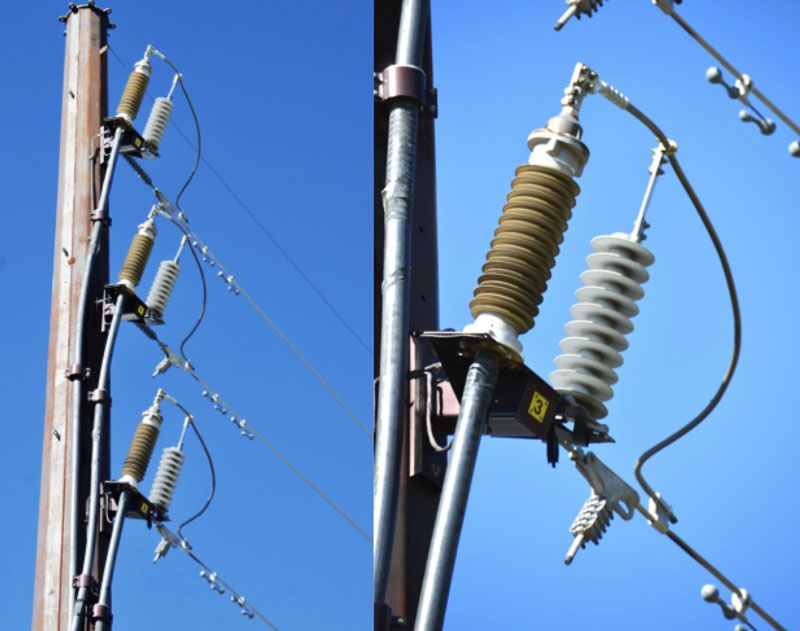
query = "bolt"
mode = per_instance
[{"x": 436, "y": 470}]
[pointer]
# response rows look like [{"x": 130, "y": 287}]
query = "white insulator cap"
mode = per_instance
[
  {"x": 143, "y": 67},
  {"x": 148, "y": 229},
  {"x": 498, "y": 328},
  {"x": 557, "y": 150}
]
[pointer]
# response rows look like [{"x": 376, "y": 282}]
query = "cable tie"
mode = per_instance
[{"x": 671, "y": 150}]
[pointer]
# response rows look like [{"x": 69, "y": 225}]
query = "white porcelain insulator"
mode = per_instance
[
  {"x": 157, "y": 122},
  {"x": 162, "y": 287},
  {"x": 169, "y": 468},
  {"x": 596, "y": 337}
]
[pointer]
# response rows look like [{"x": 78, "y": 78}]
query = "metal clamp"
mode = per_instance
[
  {"x": 241, "y": 602},
  {"x": 211, "y": 579},
  {"x": 660, "y": 514},
  {"x": 100, "y": 396},
  {"x": 100, "y": 215},
  {"x": 405, "y": 81},
  {"x": 168, "y": 540},
  {"x": 102, "y": 612},
  {"x": 77, "y": 373},
  {"x": 73, "y": 8},
  {"x": 610, "y": 494},
  {"x": 621, "y": 497},
  {"x": 740, "y": 91},
  {"x": 85, "y": 580},
  {"x": 740, "y": 602}
]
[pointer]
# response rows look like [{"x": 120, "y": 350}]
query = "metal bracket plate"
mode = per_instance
[
  {"x": 139, "y": 507},
  {"x": 525, "y": 405},
  {"x": 133, "y": 143},
  {"x": 135, "y": 308}
]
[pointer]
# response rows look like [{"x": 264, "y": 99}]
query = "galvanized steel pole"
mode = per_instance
[
  {"x": 475, "y": 404},
  {"x": 84, "y": 105},
  {"x": 398, "y": 196}
]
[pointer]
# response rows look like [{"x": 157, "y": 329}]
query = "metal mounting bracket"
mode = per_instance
[
  {"x": 101, "y": 612},
  {"x": 99, "y": 396},
  {"x": 76, "y": 372},
  {"x": 610, "y": 494},
  {"x": 139, "y": 507},
  {"x": 405, "y": 81},
  {"x": 622, "y": 498},
  {"x": 135, "y": 308},
  {"x": 133, "y": 143},
  {"x": 73, "y": 8},
  {"x": 86, "y": 580},
  {"x": 525, "y": 405}
]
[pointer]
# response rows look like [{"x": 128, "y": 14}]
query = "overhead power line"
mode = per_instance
[
  {"x": 214, "y": 580},
  {"x": 180, "y": 220},
  {"x": 263, "y": 228},
  {"x": 247, "y": 430}
]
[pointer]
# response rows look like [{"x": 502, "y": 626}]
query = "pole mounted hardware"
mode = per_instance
[
  {"x": 92, "y": 6},
  {"x": 524, "y": 404},
  {"x": 405, "y": 81},
  {"x": 740, "y": 602},
  {"x": 740, "y": 91},
  {"x": 609, "y": 494},
  {"x": 577, "y": 8}
]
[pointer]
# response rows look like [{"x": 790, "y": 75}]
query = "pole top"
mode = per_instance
[{"x": 74, "y": 8}]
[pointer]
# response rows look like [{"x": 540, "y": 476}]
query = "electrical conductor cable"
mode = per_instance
[
  {"x": 729, "y": 281},
  {"x": 192, "y": 372}
]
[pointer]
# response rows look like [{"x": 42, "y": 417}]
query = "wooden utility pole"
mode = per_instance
[{"x": 84, "y": 105}]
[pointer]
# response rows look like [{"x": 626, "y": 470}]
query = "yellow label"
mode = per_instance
[
  {"x": 144, "y": 509},
  {"x": 538, "y": 407},
  {"x": 140, "y": 310}
]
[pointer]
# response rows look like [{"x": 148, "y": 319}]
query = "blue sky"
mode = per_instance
[
  {"x": 500, "y": 72},
  {"x": 291, "y": 138}
]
